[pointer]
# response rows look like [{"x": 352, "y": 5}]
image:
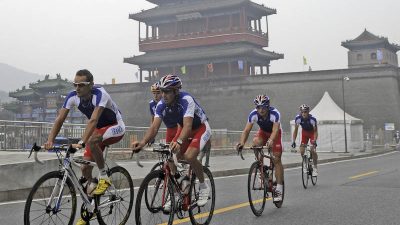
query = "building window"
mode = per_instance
[
  {"x": 359, "y": 57},
  {"x": 373, "y": 55}
]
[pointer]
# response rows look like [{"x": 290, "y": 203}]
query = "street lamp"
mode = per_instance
[{"x": 344, "y": 78}]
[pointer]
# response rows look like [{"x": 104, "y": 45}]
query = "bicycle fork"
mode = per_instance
[{"x": 59, "y": 187}]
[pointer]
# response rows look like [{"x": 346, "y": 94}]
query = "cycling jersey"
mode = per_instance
[
  {"x": 265, "y": 124},
  {"x": 185, "y": 106},
  {"x": 111, "y": 115},
  {"x": 152, "y": 105},
  {"x": 307, "y": 124}
]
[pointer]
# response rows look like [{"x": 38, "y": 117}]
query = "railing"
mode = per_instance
[
  {"x": 20, "y": 135},
  {"x": 196, "y": 34}
]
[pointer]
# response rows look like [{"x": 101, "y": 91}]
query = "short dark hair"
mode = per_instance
[{"x": 86, "y": 73}]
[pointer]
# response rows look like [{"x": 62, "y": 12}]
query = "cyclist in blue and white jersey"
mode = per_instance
[
  {"x": 171, "y": 124},
  {"x": 269, "y": 134},
  {"x": 309, "y": 132},
  {"x": 193, "y": 128},
  {"x": 104, "y": 127}
]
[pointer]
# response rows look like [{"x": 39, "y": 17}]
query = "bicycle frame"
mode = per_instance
[
  {"x": 260, "y": 155},
  {"x": 68, "y": 172},
  {"x": 168, "y": 174}
]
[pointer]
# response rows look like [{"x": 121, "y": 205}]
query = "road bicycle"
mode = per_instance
[
  {"x": 53, "y": 198},
  {"x": 307, "y": 168},
  {"x": 261, "y": 183},
  {"x": 180, "y": 191}
]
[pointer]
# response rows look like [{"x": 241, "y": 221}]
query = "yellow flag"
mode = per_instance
[
  {"x": 304, "y": 60},
  {"x": 183, "y": 69}
]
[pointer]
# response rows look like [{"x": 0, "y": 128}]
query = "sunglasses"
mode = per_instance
[
  {"x": 262, "y": 107},
  {"x": 81, "y": 84},
  {"x": 167, "y": 91}
]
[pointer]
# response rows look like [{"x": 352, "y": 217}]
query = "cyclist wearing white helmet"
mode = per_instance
[
  {"x": 269, "y": 134},
  {"x": 172, "y": 125},
  {"x": 193, "y": 129},
  {"x": 309, "y": 132}
]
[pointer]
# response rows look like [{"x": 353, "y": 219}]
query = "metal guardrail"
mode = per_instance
[{"x": 20, "y": 135}]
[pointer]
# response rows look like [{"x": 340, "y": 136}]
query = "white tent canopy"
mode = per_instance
[
  {"x": 331, "y": 129},
  {"x": 328, "y": 110}
]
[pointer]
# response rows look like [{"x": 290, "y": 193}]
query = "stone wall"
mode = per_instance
[{"x": 372, "y": 94}]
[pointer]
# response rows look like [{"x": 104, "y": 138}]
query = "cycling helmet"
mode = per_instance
[
  {"x": 304, "y": 108},
  {"x": 155, "y": 88},
  {"x": 262, "y": 100},
  {"x": 170, "y": 82}
]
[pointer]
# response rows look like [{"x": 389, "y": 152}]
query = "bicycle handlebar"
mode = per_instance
[
  {"x": 35, "y": 149},
  {"x": 259, "y": 148}
]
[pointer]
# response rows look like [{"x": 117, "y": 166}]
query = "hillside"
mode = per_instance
[{"x": 13, "y": 78}]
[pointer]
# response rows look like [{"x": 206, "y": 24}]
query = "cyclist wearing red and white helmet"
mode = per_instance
[
  {"x": 269, "y": 134},
  {"x": 171, "y": 124},
  {"x": 193, "y": 129},
  {"x": 309, "y": 132},
  {"x": 155, "y": 90}
]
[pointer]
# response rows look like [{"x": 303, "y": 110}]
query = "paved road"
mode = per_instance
[{"x": 361, "y": 191}]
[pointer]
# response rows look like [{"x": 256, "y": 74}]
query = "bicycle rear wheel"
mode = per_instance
[
  {"x": 256, "y": 189},
  {"x": 304, "y": 171},
  {"x": 149, "y": 206},
  {"x": 36, "y": 210},
  {"x": 202, "y": 215},
  {"x": 115, "y": 205}
]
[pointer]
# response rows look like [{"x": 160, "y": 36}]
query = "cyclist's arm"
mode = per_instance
[
  {"x": 275, "y": 129},
  {"x": 94, "y": 119},
  {"x": 152, "y": 120},
  {"x": 62, "y": 115},
  {"x": 315, "y": 133},
  {"x": 152, "y": 131},
  {"x": 296, "y": 128},
  {"x": 245, "y": 133},
  {"x": 187, "y": 127}
]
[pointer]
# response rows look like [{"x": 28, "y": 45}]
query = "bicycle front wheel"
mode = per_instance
[
  {"x": 304, "y": 171},
  {"x": 115, "y": 205},
  {"x": 256, "y": 189},
  {"x": 313, "y": 178},
  {"x": 45, "y": 204},
  {"x": 152, "y": 198},
  {"x": 157, "y": 166},
  {"x": 202, "y": 215}
]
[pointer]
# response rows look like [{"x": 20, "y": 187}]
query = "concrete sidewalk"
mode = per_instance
[{"x": 18, "y": 173}]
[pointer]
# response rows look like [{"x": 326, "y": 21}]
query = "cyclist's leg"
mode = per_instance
[
  {"x": 304, "y": 141},
  {"x": 199, "y": 140},
  {"x": 277, "y": 152},
  {"x": 171, "y": 133},
  {"x": 102, "y": 137},
  {"x": 168, "y": 140},
  {"x": 260, "y": 139},
  {"x": 207, "y": 150},
  {"x": 314, "y": 152},
  {"x": 200, "y": 137},
  {"x": 86, "y": 169},
  {"x": 97, "y": 154}
]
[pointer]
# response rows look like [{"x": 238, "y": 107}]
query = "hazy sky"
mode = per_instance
[{"x": 59, "y": 36}]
